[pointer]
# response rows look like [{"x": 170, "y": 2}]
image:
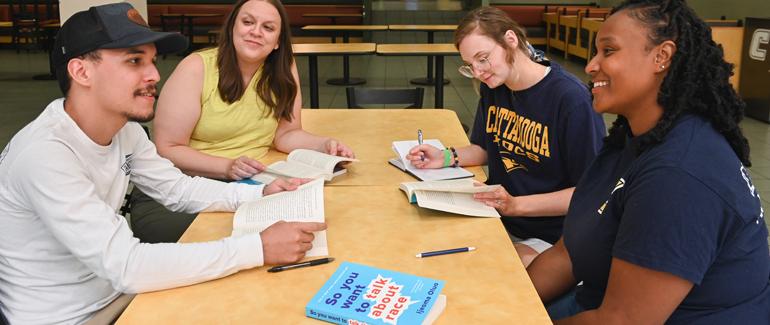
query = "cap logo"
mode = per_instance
[{"x": 134, "y": 16}]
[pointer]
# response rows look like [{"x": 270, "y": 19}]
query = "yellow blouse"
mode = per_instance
[{"x": 244, "y": 128}]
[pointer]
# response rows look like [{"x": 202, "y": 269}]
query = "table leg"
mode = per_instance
[
  {"x": 313, "y": 67},
  {"x": 346, "y": 80},
  {"x": 439, "y": 102},
  {"x": 190, "y": 33},
  {"x": 428, "y": 80},
  {"x": 49, "y": 42}
]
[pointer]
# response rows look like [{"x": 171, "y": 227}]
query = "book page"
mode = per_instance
[
  {"x": 306, "y": 204},
  {"x": 264, "y": 178},
  {"x": 464, "y": 185},
  {"x": 318, "y": 160},
  {"x": 460, "y": 203},
  {"x": 436, "y": 310},
  {"x": 294, "y": 169},
  {"x": 402, "y": 149}
]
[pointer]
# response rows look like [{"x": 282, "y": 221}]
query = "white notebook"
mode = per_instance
[{"x": 402, "y": 149}]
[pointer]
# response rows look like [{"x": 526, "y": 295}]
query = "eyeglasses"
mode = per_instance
[
  {"x": 481, "y": 63},
  {"x": 484, "y": 64}
]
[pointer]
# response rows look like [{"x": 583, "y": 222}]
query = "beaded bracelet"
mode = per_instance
[
  {"x": 447, "y": 157},
  {"x": 456, "y": 159}
]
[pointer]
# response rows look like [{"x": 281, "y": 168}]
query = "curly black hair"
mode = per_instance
[{"x": 697, "y": 81}]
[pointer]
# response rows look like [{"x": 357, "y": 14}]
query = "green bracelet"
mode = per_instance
[{"x": 447, "y": 157}]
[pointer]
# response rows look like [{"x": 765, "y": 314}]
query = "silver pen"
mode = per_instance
[{"x": 419, "y": 142}]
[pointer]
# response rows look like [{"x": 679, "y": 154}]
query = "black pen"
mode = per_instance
[
  {"x": 301, "y": 264},
  {"x": 446, "y": 251}
]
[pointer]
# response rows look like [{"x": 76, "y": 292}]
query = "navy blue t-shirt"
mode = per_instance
[
  {"x": 687, "y": 207},
  {"x": 538, "y": 140}
]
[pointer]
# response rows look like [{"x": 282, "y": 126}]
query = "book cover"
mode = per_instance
[{"x": 360, "y": 294}]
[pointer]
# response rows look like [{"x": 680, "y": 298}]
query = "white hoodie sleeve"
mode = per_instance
[
  {"x": 58, "y": 191},
  {"x": 159, "y": 179}
]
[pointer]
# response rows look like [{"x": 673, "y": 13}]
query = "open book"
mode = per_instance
[
  {"x": 305, "y": 163},
  {"x": 402, "y": 149},
  {"x": 304, "y": 204},
  {"x": 360, "y": 294},
  {"x": 455, "y": 196}
]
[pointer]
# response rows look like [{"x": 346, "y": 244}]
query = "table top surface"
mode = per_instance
[
  {"x": 417, "y": 49},
  {"x": 346, "y": 27},
  {"x": 423, "y": 27},
  {"x": 372, "y": 148},
  {"x": 373, "y": 225},
  {"x": 333, "y": 48}
]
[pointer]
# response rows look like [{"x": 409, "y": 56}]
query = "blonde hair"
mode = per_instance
[{"x": 493, "y": 23}]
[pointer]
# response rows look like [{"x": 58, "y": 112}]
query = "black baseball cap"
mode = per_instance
[{"x": 110, "y": 26}]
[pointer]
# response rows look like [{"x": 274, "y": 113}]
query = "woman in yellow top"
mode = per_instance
[{"x": 221, "y": 110}]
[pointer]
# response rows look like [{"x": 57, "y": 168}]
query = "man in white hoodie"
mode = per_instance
[{"x": 65, "y": 252}]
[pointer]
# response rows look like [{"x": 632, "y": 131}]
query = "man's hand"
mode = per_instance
[
  {"x": 280, "y": 185},
  {"x": 244, "y": 167},
  {"x": 287, "y": 242}
]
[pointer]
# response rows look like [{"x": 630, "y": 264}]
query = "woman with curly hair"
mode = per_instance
[{"x": 665, "y": 226}]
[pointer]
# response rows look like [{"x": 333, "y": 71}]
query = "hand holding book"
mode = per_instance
[
  {"x": 455, "y": 196},
  {"x": 288, "y": 242},
  {"x": 281, "y": 185},
  {"x": 336, "y": 148},
  {"x": 498, "y": 199}
]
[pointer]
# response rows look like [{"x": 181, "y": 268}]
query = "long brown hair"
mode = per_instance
[
  {"x": 276, "y": 85},
  {"x": 493, "y": 23}
]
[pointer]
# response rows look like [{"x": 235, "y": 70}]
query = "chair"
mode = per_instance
[
  {"x": 358, "y": 97},
  {"x": 125, "y": 208}
]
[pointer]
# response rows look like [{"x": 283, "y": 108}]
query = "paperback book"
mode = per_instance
[
  {"x": 305, "y": 204},
  {"x": 455, "y": 196},
  {"x": 360, "y": 294},
  {"x": 305, "y": 163}
]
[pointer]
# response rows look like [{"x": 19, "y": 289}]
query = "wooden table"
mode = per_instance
[
  {"x": 372, "y": 225},
  {"x": 332, "y": 16},
  {"x": 370, "y": 133},
  {"x": 437, "y": 50},
  {"x": 312, "y": 51},
  {"x": 346, "y": 80},
  {"x": 430, "y": 29}
]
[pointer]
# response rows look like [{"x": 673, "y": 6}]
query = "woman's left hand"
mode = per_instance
[
  {"x": 336, "y": 148},
  {"x": 498, "y": 199}
]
